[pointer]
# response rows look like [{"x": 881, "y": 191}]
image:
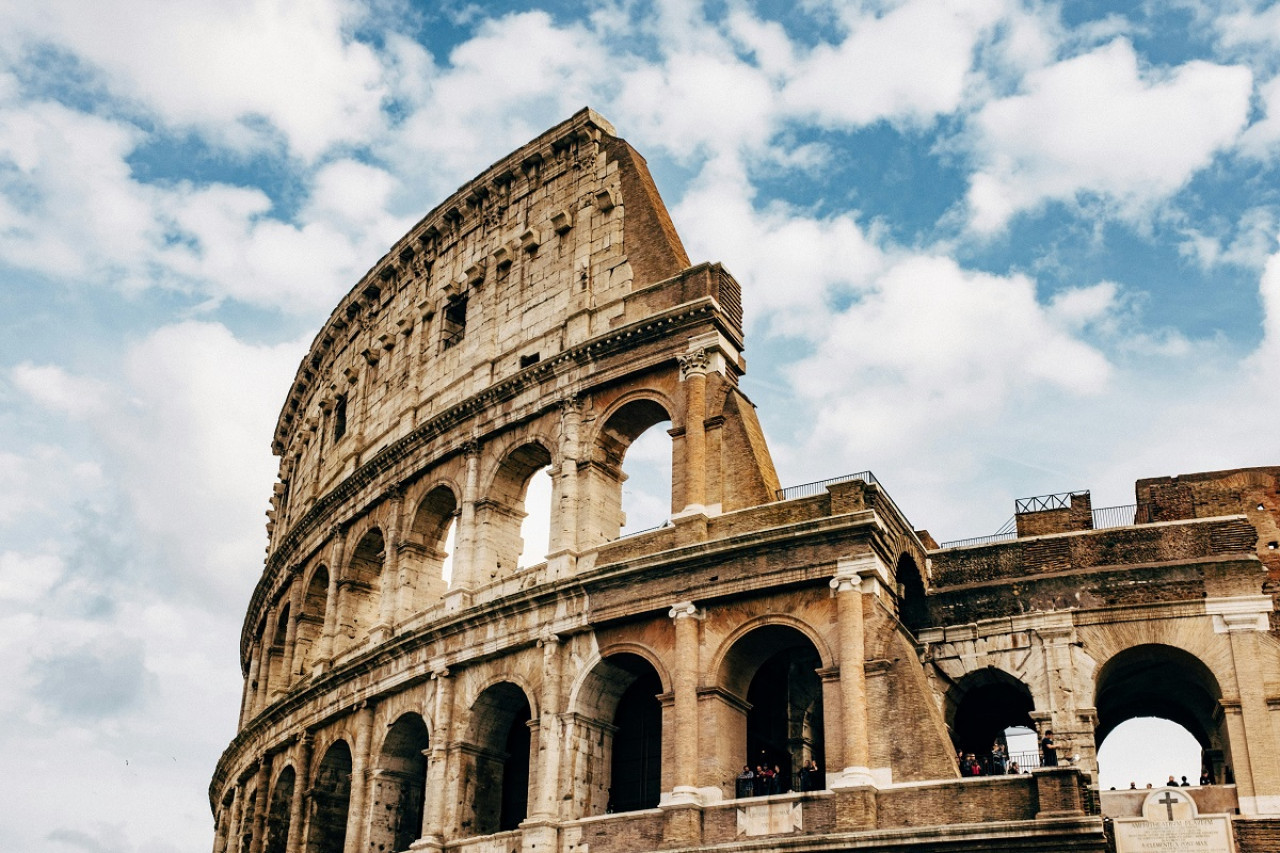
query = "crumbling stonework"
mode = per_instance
[{"x": 605, "y": 699}]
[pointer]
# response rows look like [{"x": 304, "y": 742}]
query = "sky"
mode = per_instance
[{"x": 989, "y": 250}]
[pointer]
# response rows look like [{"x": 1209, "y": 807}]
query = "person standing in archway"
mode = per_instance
[{"x": 1048, "y": 750}]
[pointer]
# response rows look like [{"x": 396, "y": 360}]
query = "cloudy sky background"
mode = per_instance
[{"x": 989, "y": 249}]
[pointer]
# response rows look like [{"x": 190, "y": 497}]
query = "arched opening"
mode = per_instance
[
  {"x": 1127, "y": 758},
  {"x": 399, "y": 786},
  {"x": 774, "y": 668},
  {"x": 361, "y": 590},
  {"x": 913, "y": 608},
  {"x": 278, "y": 812},
  {"x": 631, "y": 434},
  {"x": 980, "y": 710},
  {"x": 330, "y": 800},
  {"x": 497, "y": 761},
  {"x": 1166, "y": 683},
  {"x": 426, "y": 550},
  {"x": 501, "y": 515},
  {"x": 619, "y": 710},
  {"x": 311, "y": 620},
  {"x": 535, "y": 527},
  {"x": 278, "y": 678}
]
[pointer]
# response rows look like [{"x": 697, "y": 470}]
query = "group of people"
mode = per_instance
[
  {"x": 995, "y": 764},
  {"x": 769, "y": 779}
]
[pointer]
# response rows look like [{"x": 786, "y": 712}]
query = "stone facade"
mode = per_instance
[{"x": 605, "y": 699}]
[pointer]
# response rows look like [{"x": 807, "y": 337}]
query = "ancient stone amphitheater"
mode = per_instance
[{"x": 408, "y": 684}]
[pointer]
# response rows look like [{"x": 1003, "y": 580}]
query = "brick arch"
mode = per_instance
[
  {"x": 783, "y": 619},
  {"x": 501, "y": 509},
  {"x": 498, "y": 761},
  {"x": 674, "y": 410}
]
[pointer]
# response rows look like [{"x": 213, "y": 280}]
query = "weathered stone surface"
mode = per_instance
[{"x": 545, "y": 315}]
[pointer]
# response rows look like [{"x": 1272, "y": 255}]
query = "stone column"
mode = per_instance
[
  {"x": 464, "y": 558},
  {"x": 337, "y": 545},
  {"x": 390, "y": 585},
  {"x": 233, "y": 824},
  {"x": 438, "y": 762},
  {"x": 549, "y": 741},
  {"x": 693, "y": 374},
  {"x": 685, "y": 687},
  {"x": 1259, "y": 788},
  {"x": 356, "y": 817},
  {"x": 301, "y": 784},
  {"x": 291, "y": 634},
  {"x": 853, "y": 682},
  {"x": 255, "y": 673},
  {"x": 268, "y": 652},
  {"x": 564, "y": 528},
  {"x": 260, "y": 806}
]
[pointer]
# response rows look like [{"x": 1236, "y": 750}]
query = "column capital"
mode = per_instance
[
  {"x": 696, "y": 361},
  {"x": 685, "y": 610},
  {"x": 548, "y": 639},
  {"x": 471, "y": 447},
  {"x": 440, "y": 674}
]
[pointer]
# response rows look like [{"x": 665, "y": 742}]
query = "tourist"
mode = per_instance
[
  {"x": 1185, "y": 783},
  {"x": 746, "y": 783},
  {"x": 1048, "y": 750},
  {"x": 999, "y": 759},
  {"x": 1205, "y": 778}
]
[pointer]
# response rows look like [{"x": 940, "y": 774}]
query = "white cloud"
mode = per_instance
[
  {"x": 910, "y": 63},
  {"x": 54, "y": 388},
  {"x": 1262, "y": 139},
  {"x": 1095, "y": 124},
  {"x": 223, "y": 68}
]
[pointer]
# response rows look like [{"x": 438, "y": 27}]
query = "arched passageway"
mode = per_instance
[
  {"x": 981, "y": 706},
  {"x": 311, "y": 621},
  {"x": 1156, "y": 680},
  {"x": 361, "y": 590},
  {"x": 425, "y": 552},
  {"x": 399, "y": 786},
  {"x": 913, "y": 608},
  {"x": 775, "y": 669},
  {"x": 500, "y": 516},
  {"x": 278, "y": 812},
  {"x": 498, "y": 759},
  {"x": 330, "y": 800},
  {"x": 620, "y": 718},
  {"x": 652, "y": 500}
]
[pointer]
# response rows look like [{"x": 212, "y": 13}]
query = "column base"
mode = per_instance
[
  {"x": 428, "y": 844},
  {"x": 851, "y": 777},
  {"x": 682, "y": 795},
  {"x": 456, "y": 600}
]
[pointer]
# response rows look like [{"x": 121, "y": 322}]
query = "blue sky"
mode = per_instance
[{"x": 989, "y": 250}]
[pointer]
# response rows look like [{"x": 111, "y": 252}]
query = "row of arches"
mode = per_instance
[
  {"x": 614, "y": 748},
  {"x": 1149, "y": 681},
  {"x": 462, "y": 530}
]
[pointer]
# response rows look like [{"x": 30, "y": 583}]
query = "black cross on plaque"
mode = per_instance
[{"x": 1167, "y": 801}]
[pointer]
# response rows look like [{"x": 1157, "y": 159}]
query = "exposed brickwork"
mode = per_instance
[{"x": 1256, "y": 836}]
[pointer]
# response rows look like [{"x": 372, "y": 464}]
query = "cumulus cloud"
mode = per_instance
[
  {"x": 54, "y": 388},
  {"x": 1098, "y": 125},
  {"x": 242, "y": 72}
]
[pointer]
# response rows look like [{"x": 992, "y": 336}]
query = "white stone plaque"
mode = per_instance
[{"x": 1170, "y": 823}]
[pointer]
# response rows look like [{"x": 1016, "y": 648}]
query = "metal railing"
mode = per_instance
[
  {"x": 980, "y": 540},
  {"x": 1115, "y": 516},
  {"x": 807, "y": 490},
  {"x": 1061, "y": 500}
]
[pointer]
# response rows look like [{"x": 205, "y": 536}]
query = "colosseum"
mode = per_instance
[{"x": 409, "y": 684}]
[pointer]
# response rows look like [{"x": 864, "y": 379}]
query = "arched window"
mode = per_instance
[
  {"x": 980, "y": 709},
  {"x": 637, "y": 432},
  {"x": 619, "y": 709},
  {"x": 426, "y": 550},
  {"x": 278, "y": 812},
  {"x": 774, "y": 668},
  {"x": 311, "y": 621},
  {"x": 498, "y": 760},
  {"x": 330, "y": 800},
  {"x": 1165, "y": 683},
  {"x": 360, "y": 597},
  {"x": 399, "y": 785}
]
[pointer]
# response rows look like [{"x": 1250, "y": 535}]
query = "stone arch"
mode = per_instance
[
  {"x": 913, "y": 606},
  {"x": 330, "y": 800},
  {"x": 423, "y": 549},
  {"x": 1159, "y": 680},
  {"x": 278, "y": 811},
  {"x": 981, "y": 705},
  {"x": 782, "y": 619},
  {"x": 398, "y": 787},
  {"x": 772, "y": 703},
  {"x": 618, "y": 729},
  {"x": 501, "y": 511},
  {"x": 315, "y": 598},
  {"x": 497, "y": 759},
  {"x": 360, "y": 590},
  {"x": 622, "y": 422}
]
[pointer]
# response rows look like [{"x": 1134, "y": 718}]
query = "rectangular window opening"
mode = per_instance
[{"x": 454, "y": 323}]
